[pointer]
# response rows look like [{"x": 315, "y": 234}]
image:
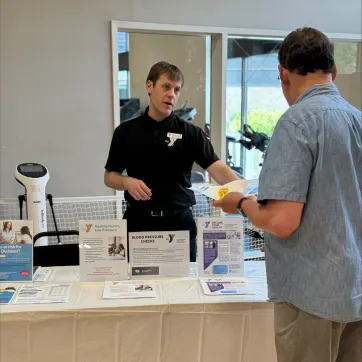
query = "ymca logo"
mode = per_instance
[
  {"x": 88, "y": 227},
  {"x": 171, "y": 237},
  {"x": 206, "y": 224}
]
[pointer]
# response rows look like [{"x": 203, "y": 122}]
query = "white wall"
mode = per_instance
[{"x": 56, "y": 81}]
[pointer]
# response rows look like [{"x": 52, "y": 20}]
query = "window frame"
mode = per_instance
[{"x": 219, "y": 43}]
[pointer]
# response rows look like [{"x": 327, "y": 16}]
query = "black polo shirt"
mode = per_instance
[{"x": 161, "y": 154}]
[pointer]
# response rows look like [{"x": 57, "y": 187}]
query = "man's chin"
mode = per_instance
[{"x": 166, "y": 112}]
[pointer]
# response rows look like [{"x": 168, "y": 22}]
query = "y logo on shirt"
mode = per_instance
[{"x": 173, "y": 137}]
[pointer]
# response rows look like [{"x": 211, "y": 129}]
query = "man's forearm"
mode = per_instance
[
  {"x": 116, "y": 181},
  {"x": 278, "y": 222},
  {"x": 228, "y": 176},
  {"x": 221, "y": 173},
  {"x": 257, "y": 214}
]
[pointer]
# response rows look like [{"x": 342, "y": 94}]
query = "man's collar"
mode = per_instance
[
  {"x": 318, "y": 89},
  {"x": 153, "y": 121}
]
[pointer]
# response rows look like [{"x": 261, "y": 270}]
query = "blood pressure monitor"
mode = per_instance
[{"x": 34, "y": 177}]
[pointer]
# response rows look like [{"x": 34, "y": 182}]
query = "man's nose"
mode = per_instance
[{"x": 171, "y": 93}]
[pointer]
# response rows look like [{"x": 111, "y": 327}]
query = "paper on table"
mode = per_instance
[
  {"x": 66, "y": 274},
  {"x": 129, "y": 289},
  {"x": 7, "y": 293},
  {"x": 42, "y": 274},
  {"x": 49, "y": 293},
  {"x": 218, "y": 192},
  {"x": 226, "y": 286}
]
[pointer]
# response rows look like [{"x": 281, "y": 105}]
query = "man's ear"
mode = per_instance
[
  {"x": 334, "y": 72},
  {"x": 283, "y": 75},
  {"x": 149, "y": 87}
]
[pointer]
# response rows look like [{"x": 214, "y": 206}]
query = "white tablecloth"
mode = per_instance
[{"x": 180, "y": 325}]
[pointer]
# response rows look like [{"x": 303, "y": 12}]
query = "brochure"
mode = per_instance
[
  {"x": 16, "y": 250},
  {"x": 221, "y": 247},
  {"x": 129, "y": 289}
]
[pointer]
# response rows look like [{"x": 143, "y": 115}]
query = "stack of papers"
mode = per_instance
[{"x": 49, "y": 293}]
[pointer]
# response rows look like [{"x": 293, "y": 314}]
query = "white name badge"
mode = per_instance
[{"x": 173, "y": 138}]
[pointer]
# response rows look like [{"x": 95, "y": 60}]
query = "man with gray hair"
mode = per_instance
[{"x": 310, "y": 206}]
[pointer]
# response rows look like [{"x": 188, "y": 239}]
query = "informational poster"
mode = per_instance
[
  {"x": 103, "y": 250},
  {"x": 162, "y": 254},
  {"x": 43, "y": 293},
  {"x": 16, "y": 250},
  {"x": 226, "y": 287},
  {"x": 221, "y": 247},
  {"x": 129, "y": 289},
  {"x": 7, "y": 293}
]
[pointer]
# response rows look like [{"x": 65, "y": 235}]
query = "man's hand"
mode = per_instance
[
  {"x": 137, "y": 189},
  {"x": 229, "y": 202}
]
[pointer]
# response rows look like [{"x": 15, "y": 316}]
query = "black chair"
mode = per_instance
[{"x": 58, "y": 254}]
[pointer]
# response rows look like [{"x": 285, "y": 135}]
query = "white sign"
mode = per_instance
[
  {"x": 221, "y": 247},
  {"x": 103, "y": 250},
  {"x": 129, "y": 289},
  {"x": 226, "y": 287},
  {"x": 43, "y": 293},
  {"x": 164, "y": 254}
]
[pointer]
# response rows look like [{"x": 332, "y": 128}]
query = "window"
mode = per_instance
[
  {"x": 123, "y": 71},
  {"x": 346, "y": 57},
  {"x": 254, "y": 97}
]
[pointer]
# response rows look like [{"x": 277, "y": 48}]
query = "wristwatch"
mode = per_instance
[{"x": 239, "y": 208}]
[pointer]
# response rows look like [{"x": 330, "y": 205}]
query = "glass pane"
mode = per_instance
[
  {"x": 191, "y": 54},
  {"x": 254, "y": 95},
  {"x": 123, "y": 74},
  {"x": 348, "y": 57},
  {"x": 254, "y": 98},
  {"x": 345, "y": 54}
]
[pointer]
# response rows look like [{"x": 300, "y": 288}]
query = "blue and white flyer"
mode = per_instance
[
  {"x": 103, "y": 250},
  {"x": 230, "y": 286},
  {"x": 220, "y": 247},
  {"x": 7, "y": 293},
  {"x": 16, "y": 251}
]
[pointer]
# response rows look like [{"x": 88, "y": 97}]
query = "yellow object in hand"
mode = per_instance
[{"x": 223, "y": 191}]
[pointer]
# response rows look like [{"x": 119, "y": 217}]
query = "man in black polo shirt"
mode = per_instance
[{"x": 158, "y": 150}]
